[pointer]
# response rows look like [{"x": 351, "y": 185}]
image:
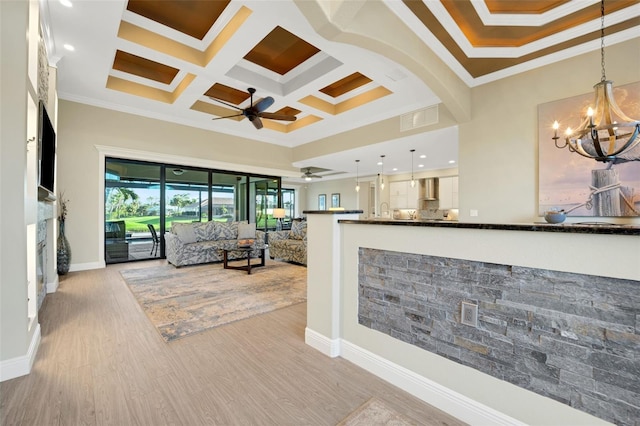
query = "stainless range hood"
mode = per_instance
[{"x": 428, "y": 189}]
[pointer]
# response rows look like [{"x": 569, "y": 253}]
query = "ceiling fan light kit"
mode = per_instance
[
  {"x": 256, "y": 112},
  {"x": 308, "y": 176}
]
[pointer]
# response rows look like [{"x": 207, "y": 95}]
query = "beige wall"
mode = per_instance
[
  {"x": 349, "y": 198},
  {"x": 498, "y": 148},
  {"x": 382, "y": 131},
  {"x": 83, "y": 130},
  {"x": 15, "y": 336}
]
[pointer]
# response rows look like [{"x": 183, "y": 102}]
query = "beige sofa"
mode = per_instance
[{"x": 203, "y": 242}]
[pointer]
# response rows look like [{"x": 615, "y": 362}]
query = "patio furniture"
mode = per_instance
[
  {"x": 155, "y": 239},
  {"x": 116, "y": 246}
]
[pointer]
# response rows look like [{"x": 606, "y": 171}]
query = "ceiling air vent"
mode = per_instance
[{"x": 419, "y": 118}]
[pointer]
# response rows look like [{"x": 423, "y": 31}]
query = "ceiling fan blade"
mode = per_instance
[
  {"x": 228, "y": 116},
  {"x": 307, "y": 175},
  {"x": 225, "y": 103},
  {"x": 263, "y": 104},
  {"x": 257, "y": 123},
  {"x": 273, "y": 116}
]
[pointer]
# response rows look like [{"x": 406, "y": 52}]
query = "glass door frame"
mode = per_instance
[{"x": 243, "y": 179}]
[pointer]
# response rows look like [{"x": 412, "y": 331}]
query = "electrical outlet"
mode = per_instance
[{"x": 469, "y": 314}]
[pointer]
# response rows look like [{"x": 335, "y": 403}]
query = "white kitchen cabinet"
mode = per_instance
[
  {"x": 412, "y": 195},
  {"x": 402, "y": 195},
  {"x": 448, "y": 193}
]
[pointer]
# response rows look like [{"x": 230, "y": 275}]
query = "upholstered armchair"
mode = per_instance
[{"x": 291, "y": 245}]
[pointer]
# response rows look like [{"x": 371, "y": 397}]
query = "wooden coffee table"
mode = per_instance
[{"x": 249, "y": 265}]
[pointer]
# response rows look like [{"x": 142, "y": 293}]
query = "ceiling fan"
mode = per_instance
[
  {"x": 307, "y": 175},
  {"x": 255, "y": 112}
]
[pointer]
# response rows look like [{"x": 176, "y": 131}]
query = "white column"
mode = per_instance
[{"x": 324, "y": 265}]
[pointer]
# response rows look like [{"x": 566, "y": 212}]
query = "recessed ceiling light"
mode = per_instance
[
  {"x": 395, "y": 169},
  {"x": 379, "y": 163},
  {"x": 420, "y": 165},
  {"x": 69, "y": 47},
  {"x": 423, "y": 156},
  {"x": 452, "y": 161},
  {"x": 66, "y": 3}
]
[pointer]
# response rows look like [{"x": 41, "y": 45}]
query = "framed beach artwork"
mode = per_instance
[
  {"x": 579, "y": 185},
  {"x": 335, "y": 200},
  {"x": 322, "y": 202}
]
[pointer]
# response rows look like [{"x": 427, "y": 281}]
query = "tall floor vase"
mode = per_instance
[{"x": 63, "y": 251}]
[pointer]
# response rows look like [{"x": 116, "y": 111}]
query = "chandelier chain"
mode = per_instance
[{"x": 604, "y": 77}]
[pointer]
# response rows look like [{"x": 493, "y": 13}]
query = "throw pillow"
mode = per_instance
[
  {"x": 246, "y": 230},
  {"x": 298, "y": 230},
  {"x": 200, "y": 230},
  {"x": 210, "y": 231},
  {"x": 227, "y": 230},
  {"x": 184, "y": 231}
]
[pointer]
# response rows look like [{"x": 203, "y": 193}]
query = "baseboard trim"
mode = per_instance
[
  {"x": 329, "y": 347},
  {"x": 21, "y": 365},
  {"x": 52, "y": 287},
  {"x": 75, "y": 267},
  {"x": 445, "y": 399}
]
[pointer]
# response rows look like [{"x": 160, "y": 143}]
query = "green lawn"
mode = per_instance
[{"x": 139, "y": 224}]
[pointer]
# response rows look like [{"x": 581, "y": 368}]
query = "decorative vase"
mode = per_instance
[{"x": 63, "y": 251}]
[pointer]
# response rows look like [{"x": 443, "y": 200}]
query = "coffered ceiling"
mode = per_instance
[{"x": 191, "y": 62}]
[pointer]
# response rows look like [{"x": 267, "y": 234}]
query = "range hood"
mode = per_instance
[{"x": 428, "y": 189}]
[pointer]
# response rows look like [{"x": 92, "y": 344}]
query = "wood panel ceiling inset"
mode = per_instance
[
  {"x": 146, "y": 68},
  {"x": 345, "y": 85},
  {"x": 288, "y": 111},
  {"x": 227, "y": 94},
  {"x": 502, "y": 36},
  {"x": 480, "y": 35},
  {"x": 534, "y": 7},
  {"x": 191, "y": 17},
  {"x": 281, "y": 51}
]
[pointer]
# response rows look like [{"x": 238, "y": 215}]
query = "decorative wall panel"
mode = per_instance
[{"x": 570, "y": 337}]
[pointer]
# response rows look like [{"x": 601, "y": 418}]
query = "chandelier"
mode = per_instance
[{"x": 606, "y": 134}]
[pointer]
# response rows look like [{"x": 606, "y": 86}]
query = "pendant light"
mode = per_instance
[
  {"x": 381, "y": 172},
  {"x": 357, "y": 176},
  {"x": 413, "y": 181},
  {"x": 606, "y": 133}
]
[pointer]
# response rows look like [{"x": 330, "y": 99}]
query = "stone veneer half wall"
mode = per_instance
[{"x": 571, "y": 337}]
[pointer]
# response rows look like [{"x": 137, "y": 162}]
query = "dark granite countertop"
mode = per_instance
[
  {"x": 574, "y": 228},
  {"x": 332, "y": 212}
]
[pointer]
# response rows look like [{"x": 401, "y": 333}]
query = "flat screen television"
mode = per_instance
[{"x": 46, "y": 156}]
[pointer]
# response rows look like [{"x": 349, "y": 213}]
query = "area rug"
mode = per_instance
[
  {"x": 183, "y": 301},
  {"x": 375, "y": 412}
]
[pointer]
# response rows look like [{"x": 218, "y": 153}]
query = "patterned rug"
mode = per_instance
[
  {"x": 375, "y": 412},
  {"x": 183, "y": 301}
]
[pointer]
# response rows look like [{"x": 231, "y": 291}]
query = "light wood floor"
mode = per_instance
[{"x": 102, "y": 362}]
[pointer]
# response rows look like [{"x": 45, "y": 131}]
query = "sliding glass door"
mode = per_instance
[
  {"x": 186, "y": 195},
  {"x": 228, "y": 195},
  {"x": 143, "y": 199},
  {"x": 264, "y": 192},
  {"x": 132, "y": 203}
]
